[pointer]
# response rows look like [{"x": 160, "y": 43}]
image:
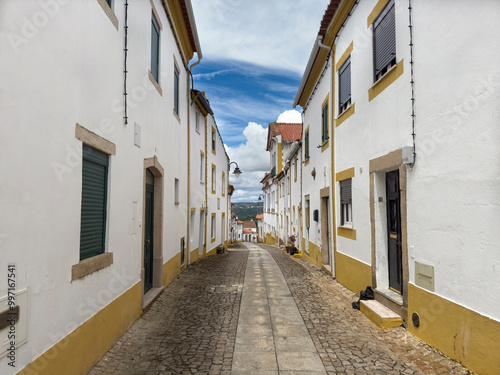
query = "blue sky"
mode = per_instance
[{"x": 254, "y": 54}]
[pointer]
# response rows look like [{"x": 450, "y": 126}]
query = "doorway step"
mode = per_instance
[{"x": 380, "y": 315}]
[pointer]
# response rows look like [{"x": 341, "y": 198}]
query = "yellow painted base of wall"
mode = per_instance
[
  {"x": 270, "y": 240},
  {"x": 195, "y": 255},
  {"x": 211, "y": 252},
  {"x": 171, "y": 269},
  {"x": 82, "y": 348},
  {"x": 314, "y": 255},
  {"x": 352, "y": 273},
  {"x": 462, "y": 334}
]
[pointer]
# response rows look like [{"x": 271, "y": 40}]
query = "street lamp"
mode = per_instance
[
  {"x": 237, "y": 171},
  {"x": 261, "y": 197}
]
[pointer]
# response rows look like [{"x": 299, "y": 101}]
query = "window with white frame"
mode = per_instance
[
  {"x": 176, "y": 90},
  {"x": 346, "y": 202},
  {"x": 176, "y": 191},
  {"x": 214, "y": 182}
]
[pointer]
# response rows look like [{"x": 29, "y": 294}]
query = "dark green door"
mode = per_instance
[
  {"x": 148, "y": 238},
  {"x": 394, "y": 231}
]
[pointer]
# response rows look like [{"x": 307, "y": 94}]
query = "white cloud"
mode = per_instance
[
  {"x": 291, "y": 116},
  {"x": 278, "y": 33},
  {"x": 252, "y": 155}
]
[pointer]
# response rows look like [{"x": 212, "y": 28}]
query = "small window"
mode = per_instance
[
  {"x": 94, "y": 202},
  {"x": 223, "y": 184},
  {"x": 213, "y": 179},
  {"x": 202, "y": 167},
  {"x": 197, "y": 121},
  {"x": 346, "y": 202},
  {"x": 384, "y": 41},
  {"x": 183, "y": 251},
  {"x": 345, "y": 86},
  {"x": 176, "y": 191},
  {"x": 176, "y": 90},
  {"x": 109, "y": 2},
  {"x": 324, "y": 123},
  {"x": 295, "y": 169},
  {"x": 307, "y": 213},
  {"x": 218, "y": 203},
  {"x": 306, "y": 145},
  {"x": 213, "y": 140},
  {"x": 213, "y": 227},
  {"x": 155, "y": 48}
]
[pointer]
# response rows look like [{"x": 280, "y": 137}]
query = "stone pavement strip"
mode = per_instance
[{"x": 257, "y": 310}]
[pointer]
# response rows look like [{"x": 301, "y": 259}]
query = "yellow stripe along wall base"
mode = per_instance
[
  {"x": 352, "y": 273},
  {"x": 81, "y": 349},
  {"x": 462, "y": 334}
]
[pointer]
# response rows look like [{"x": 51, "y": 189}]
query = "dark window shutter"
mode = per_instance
[
  {"x": 176, "y": 91},
  {"x": 306, "y": 141},
  {"x": 345, "y": 83},
  {"x": 94, "y": 201},
  {"x": 384, "y": 38},
  {"x": 346, "y": 191},
  {"x": 324, "y": 120},
  {"x": 155, "y": 47}
]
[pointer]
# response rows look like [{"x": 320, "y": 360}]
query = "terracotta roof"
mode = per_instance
[
  {"x": 266, "y": 176},
  {"x": 327, "y": 17},
  {"x": 289, "y": 132},
  {"x": 259, "y": 217},
  {"x": 249, "y": 224},
  {"x": 188, "y": 25},
  {"x": 240, "y": 222}
]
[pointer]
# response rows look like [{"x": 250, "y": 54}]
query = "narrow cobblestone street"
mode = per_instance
[{"x": 197, "y": 327}]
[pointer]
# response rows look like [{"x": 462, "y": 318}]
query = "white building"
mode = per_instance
[
  {"x": 283, "y": 141},
  {"x": 390, "y": 104},
  {"x": 96, "y": 183}
]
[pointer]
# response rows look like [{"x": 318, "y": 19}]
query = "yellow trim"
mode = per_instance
[
  {"x": 280, "y": 158},
  {"x": 325, "y": 145},
  {"x": 380, "y": 322},
  {"x": 214, "y": 178},
  {"x": 180, "y": 28},
  {"x": 352, "y": 273},
  {"x": 188, "y": 221},
  {"x": 171, "y": 269},
  {"x": 333, "y": 184},
  {"x": 213, "y": 226},
  {"x": 193, "y": 209},
  {"x": 223, "y": 184},
  {"x": 340, "y": 16},
  {"x": 347, "y": 233},
  {"x": 82, "y": 348},
  {"x": 314, "y": 255},
  {"x": 379, "y": 7},
  {"x": 195, "y": 255},
  {"x": 344, "y": 57},
  {"x": 385, "y": 81},
  {"x": 214, "y": 140},
  {"x": 345, "y": 174},
  {"x": 460, "y": 333},
  {"x": 345, "y": 115}
]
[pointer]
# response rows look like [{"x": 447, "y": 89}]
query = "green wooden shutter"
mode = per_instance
[
  {"x": 94, "y": 201},
  {"x": 176, "y": 91},
  {"x": 306, "y": 141}
]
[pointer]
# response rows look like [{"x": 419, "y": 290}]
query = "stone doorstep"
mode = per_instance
[
  {"x": 380, "y": 315},
  {"x": 390, "y": 299}
]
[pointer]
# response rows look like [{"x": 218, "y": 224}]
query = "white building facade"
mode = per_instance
[{"x": 412, "y": 212}]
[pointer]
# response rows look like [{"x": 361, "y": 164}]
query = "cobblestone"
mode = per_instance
[
  {"x": 191, "y": 328},
  {"x": 347, "y": 341}
]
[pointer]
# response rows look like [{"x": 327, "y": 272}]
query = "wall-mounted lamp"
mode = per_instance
[
  {"x": 261, "y": 197},
  {"x": 237, "y": 171}
]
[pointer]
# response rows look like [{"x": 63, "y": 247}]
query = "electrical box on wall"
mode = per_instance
[
  {"x": 408, "y": 155},
  {"x": 316, "y": 215}
]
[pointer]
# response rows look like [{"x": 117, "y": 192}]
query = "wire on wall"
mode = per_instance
[
  {"x": 412, "y": 81},
  {"x": 125, "y": 50}
]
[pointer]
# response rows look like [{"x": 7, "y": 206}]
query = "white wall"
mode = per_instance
[{"x": 454, "y": 210}]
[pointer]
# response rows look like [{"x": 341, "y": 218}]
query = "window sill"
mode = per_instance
[
  {"x": 386, "y": 80},
  {"x": 176, "y": 116},
  {"x": 155, "y": 83},
  {"x": 90, "y": 265},
  {"x": 349, "y": 111},
  {"x": 307, "y": 161},
  {"x": 325, "y": 145},
  {"x": 346, "y": 232}
]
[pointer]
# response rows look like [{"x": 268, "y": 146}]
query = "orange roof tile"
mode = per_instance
[
  {"x": 259, "y": 217},
  {"x": 289, "y": 132}
]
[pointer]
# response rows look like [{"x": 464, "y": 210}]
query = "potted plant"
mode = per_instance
[{"x": 292, "y": 249}]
